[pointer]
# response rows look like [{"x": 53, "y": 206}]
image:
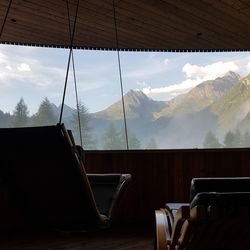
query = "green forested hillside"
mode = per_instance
[{"x": 232, "y": 108}]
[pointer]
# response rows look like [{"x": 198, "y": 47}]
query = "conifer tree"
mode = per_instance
[
  {"x": 133, "y": 141},
  {"x": 45, "y": 115},
  {"x": 237, "y": 143},
  {"x": 151, "y": 144},
  {"x": 20, "y": 116},
  {"x": 229, "y": 139},
  {"x": 111, "y": 139},
  {"x": 233, "y": 139},
  {"x": 211, "y": 141},
  {"x": 246, "y": 140},
  {"x": 87, "y": 138}
]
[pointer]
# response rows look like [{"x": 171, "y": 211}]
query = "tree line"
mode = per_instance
[
  {"x": 114, "y": 139},
  {"x": 232, "y": 139},
  {"x": 111, "y": 139},
  {"x": 21, "y": 117}
]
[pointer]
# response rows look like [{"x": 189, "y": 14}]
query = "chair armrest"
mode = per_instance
[
  {"x": 172, "y": 209},
  {"x": 162, "y": 230},
  {"x": 168, "y": 231},
  {"x": 108, "y": 190},
  {"x": 180, "y": 218}
]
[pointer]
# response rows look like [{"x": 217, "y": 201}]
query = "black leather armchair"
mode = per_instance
[{"x": 217, "y": 217}]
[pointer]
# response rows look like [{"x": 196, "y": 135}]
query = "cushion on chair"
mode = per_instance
[
  {"x": 104, "y": 186},
  {"x": 233, "y": 184},
  {"x": 221, "y": 200},
  {"x": 106, "y": 189}
]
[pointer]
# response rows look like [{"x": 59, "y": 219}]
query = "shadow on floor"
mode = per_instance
[{"x": 129, "y": 238}]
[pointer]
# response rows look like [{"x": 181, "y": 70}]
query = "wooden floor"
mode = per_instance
[{"x": 129, "y": 238}]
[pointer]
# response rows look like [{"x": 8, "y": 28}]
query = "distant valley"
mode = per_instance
[
  {"x": 206, "y": 114},
  {"x": 215, "y": 106}
]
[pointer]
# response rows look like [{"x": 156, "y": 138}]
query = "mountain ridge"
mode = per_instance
[
  {"x": 217, "y": 105},
  {"x": 233, "y": 106},
  {"x": 200, "y": 96},
  {"x": 134, "y": 100}
]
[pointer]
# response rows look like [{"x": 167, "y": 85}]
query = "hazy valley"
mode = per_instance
[{"x": 214, "y": 108}]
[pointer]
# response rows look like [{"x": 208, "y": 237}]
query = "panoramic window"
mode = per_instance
[{"x": 171, "y": 100}]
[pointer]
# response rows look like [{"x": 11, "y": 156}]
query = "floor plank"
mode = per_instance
[{"x": 129, "y": 238}]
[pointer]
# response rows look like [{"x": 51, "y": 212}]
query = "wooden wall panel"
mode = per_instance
[
  {"x": 141, "y": 25},
  {"x": 160, "y": 176}
]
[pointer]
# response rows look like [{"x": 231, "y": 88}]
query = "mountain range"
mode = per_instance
[
  {"x": 218, "y": 105},
  {"x": 138, "y": 105}
]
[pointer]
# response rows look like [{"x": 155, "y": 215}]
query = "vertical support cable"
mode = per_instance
[
  {"x": 65, "y": 86},
  {"x": 5, "y": 18},
  {"x": 75, "y": 85},
  {"x": 120, "y": 76},
  {"x": 69, "y": 58},
  {"x": 77, "y": 101}
]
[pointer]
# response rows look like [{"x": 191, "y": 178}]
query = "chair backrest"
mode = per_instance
[
  {"x": 233, "y": 184},
  {"x": 227, "y": 200},
  {"x": 46, "y": 177},
  {"x": 217, "y": 221}
]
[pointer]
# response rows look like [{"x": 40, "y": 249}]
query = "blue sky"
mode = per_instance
[{"x": 35, "y": 73}]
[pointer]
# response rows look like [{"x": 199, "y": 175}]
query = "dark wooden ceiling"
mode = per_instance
[{"x": 141, "y": 24}]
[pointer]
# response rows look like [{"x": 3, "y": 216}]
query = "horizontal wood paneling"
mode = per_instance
[
  {"x": 141, "y": 25},
  {"x": 162, "y": 176}
]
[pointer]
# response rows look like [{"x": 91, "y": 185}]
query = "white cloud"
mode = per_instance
[
  {"x": 4, "y": 62},
  {"x": 171, "y": 91},
  {"x": 24, "y": 67},
  {"x": 195, "y": 75},
  {"x": 210, "y": 71},
  {"x": 2, "y": 58},
  {"x": 165, "y": 61},
  {"x": 8, "y": 67},
  {"x": 42, "y": 75},
  {"x": 43, "y": 79}
]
